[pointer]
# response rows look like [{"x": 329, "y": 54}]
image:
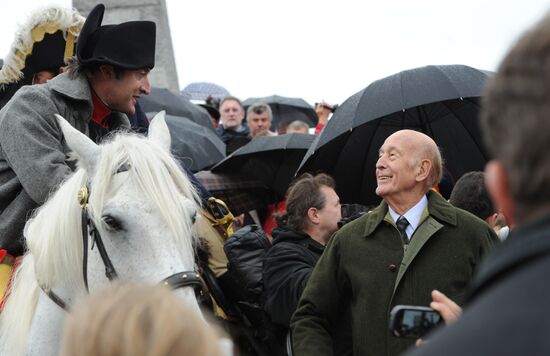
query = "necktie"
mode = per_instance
[{"x": 402, "y": 224}]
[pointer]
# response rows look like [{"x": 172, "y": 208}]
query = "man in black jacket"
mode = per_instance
[{"x": 313, "y": 213}]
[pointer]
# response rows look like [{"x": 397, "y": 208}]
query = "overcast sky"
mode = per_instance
[{"x": 324, "y": 49}]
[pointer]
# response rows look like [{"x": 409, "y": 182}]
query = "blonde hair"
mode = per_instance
[{"x": 137, "y": 320}]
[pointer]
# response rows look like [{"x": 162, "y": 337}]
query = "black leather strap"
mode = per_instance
[
  {"x": 85, "y": 247},
  {"x": 184, "y": 279},
  {"x": 110, "y": 271},
  {"x": 55, "y": 298}
]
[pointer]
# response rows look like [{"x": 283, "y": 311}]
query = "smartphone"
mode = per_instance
[{"x": 413, "y": 321}]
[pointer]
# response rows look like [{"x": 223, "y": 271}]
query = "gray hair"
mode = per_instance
[
  {"x": 260, "y": 108},
  {"x": 514, "y": 117},
  {"x": 297, "y": 124},
  {"x": 436, "y": 173}
]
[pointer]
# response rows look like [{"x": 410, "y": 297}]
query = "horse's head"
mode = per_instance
[
  {"x": 141, "y": 202},
  {"x": 143, "y": 206}
]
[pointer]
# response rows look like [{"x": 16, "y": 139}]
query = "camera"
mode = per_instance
[
  {"x": 413, "y": 321},
  {"x": 351, "y": 212}
]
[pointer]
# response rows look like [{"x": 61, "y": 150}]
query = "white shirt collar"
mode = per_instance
[{"x": 413, "y": 215}]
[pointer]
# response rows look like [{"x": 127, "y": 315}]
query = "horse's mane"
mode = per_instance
[{"x": 54, "y": 234}]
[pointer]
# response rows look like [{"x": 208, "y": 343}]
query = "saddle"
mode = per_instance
[{"x": 8, "y": 265}]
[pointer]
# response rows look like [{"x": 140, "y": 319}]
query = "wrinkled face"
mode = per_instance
[
  {"x": 231, "y": 114},
  {"x": 396, "y": 169},
  {"x": 258, "y": 122},
  {"x": 331, "y": 213},
  {"x": 122, "y": 94}
]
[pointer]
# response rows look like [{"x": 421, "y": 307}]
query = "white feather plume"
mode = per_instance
[{"x": 50, "y": 19}]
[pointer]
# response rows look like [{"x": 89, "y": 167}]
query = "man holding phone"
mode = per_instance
[{"x": 412, "y": 243}]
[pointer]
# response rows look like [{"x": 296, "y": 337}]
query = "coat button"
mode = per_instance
[{"x": 392, "y": 267}]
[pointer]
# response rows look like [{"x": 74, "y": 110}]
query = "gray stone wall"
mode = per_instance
[{"x": 164, "y": 74}]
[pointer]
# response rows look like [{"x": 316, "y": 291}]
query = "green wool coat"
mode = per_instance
[{"x": 367, "y": 267}]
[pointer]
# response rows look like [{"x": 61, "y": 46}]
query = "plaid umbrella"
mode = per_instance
[{"x": 240, "y": 193}]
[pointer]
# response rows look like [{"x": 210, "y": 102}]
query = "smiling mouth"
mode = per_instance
[{"x": 383, "y": 178}]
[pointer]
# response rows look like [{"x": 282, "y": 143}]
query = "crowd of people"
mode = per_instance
[{"x": 329, "y": 284}]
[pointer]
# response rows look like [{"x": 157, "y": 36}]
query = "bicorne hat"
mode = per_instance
[
  {"x": 129, "y": 45},
  {"x": 45, "y": 41}
]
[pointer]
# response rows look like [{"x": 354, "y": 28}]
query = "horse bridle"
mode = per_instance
[{"x": 89, "y": 229}]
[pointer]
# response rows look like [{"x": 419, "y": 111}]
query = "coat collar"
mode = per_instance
[
  {"x": 525, "y": 244},
  {"x": 284, "y": 234},
  {"x": 438, "y": 208},
  {"x": 77, "y": 88}
]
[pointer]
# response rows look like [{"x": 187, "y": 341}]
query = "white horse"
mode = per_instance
[{"x": 143, "y": 207}]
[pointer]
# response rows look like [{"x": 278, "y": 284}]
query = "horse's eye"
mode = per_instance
[{"x": 112, "y": 223}]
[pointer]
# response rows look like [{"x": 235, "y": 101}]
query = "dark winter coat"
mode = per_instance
[
  {"x": 367, "y": 267},
  {"x": 508, "y": 311},
  {"x": 233, "y": 139},
  {"x": 287, "y": 267},
  {"x": 32, "y": 149}
]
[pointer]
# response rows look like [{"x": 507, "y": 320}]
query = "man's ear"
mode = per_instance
[
  {"x": 498, "y": 186},
  {"x": 313, "y": 215},
  {"x": 424, "y": 169},
  {"x": 107, "y": 71},
  {"x": 491, "y": 219}
]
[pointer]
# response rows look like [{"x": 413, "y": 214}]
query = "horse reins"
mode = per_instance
[{"x": 175, "y": 281}]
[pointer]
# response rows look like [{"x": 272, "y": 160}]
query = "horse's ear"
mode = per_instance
[
  {"x": 159, "y": 132},
  {"x": 88, "y": 152}
]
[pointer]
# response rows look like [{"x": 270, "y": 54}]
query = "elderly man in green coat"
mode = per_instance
[{"x": 412, "y": 243}]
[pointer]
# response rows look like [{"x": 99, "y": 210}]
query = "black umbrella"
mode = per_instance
[
  {"x": 440, "y": 101},
  {"x": 163, "y": 99},
  {"x": 285, "y": 110},
  {"x": 271, "y": 159},
  {"x": 194, "y": 145}
]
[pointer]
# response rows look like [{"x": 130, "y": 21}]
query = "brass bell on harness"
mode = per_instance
[{"x": 83, "y": 196}]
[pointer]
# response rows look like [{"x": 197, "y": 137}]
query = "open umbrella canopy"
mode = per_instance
[
  {"x": 195, "y": 146},
  {"x": 285, "y": 110},
  {"x": 440, "y": 101},
  {"x": 271, "y": 159},
  {"x": 163, "y": 99},
  {"x": 203, "y": 91}
]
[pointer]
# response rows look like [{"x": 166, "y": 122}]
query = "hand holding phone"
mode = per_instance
[{"x": 413, "y": 321}]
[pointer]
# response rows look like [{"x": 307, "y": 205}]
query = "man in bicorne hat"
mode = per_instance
[
  {"x": 101, "y": 85},
  {"x": 40, "y": 48}
]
